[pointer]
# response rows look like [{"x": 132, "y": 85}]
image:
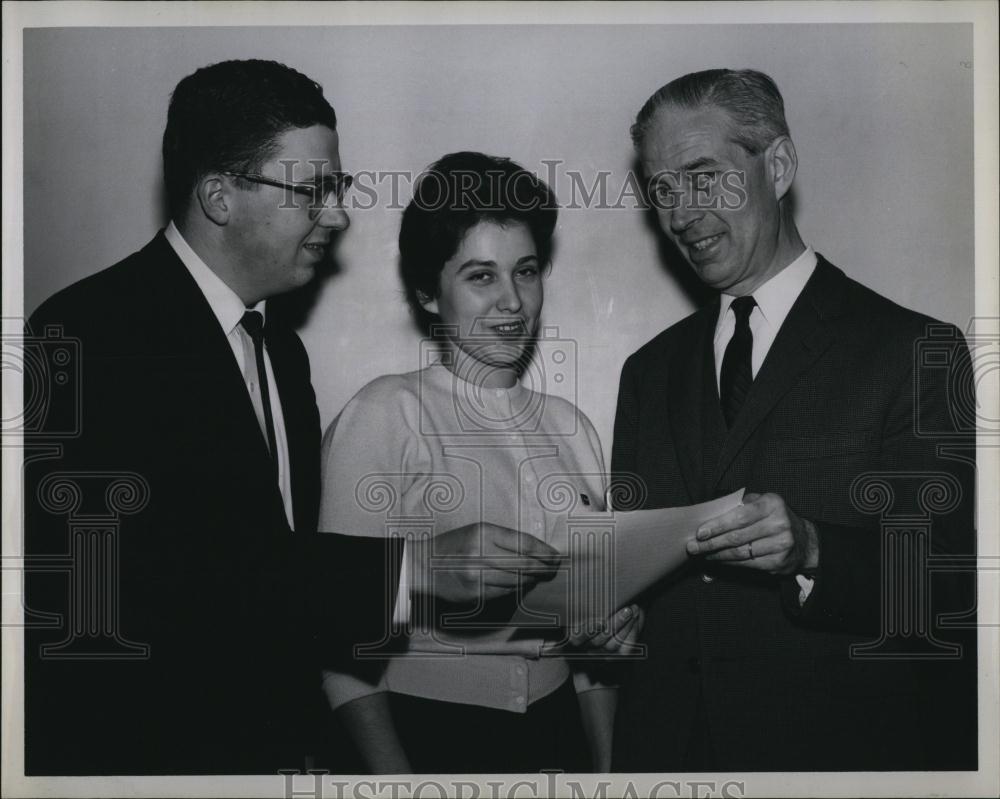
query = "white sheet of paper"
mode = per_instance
[{"x": 613, "y": 557}]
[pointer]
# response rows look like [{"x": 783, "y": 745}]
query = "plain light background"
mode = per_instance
[{"x": 881, "y": 116}]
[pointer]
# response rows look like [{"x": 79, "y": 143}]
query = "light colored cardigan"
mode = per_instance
[{"x": 429, "y": 452}]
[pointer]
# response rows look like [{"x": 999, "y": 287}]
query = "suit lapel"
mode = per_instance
[
  {"x": 195, "y": 343},
  {"x": 806, "y": 334},
  {"x": 687, "y": 399},
  {"x": 189, "y": 329}
]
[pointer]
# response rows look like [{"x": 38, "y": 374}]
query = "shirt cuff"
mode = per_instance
[
  {"x": 805, "y": 587},
  {"x": 401, "y": 608}
]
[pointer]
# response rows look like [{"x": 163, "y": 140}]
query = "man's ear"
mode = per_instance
[
  {"x": 782, "y": 164},
  {"x": 428, "y": 303},
  {"x": 213, "y": 198}
]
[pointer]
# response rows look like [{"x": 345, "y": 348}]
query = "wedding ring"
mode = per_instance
[{"x": 750, "y": 550}]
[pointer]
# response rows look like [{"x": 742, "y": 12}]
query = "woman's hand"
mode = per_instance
[{"x": 618, "y": 635}]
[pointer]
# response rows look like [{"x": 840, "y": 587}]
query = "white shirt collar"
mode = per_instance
[
  {"x": 776, "y": 297},
  {"x": 225, "y": 303}
]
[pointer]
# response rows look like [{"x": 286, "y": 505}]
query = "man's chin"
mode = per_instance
[
  {"x": 713, "y": 274},
  {"x": 300, "y": 276}
]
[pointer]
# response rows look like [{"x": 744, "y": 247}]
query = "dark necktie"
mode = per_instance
[
  {"x": 253, "y": 323},
  {"x": 737, "y": 374}
]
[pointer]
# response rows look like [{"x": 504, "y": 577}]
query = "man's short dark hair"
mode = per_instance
[
  {"x": 751, "y": 99},
  {"x": 228, "y": 117},
  {"x": 454, "y": 195}
]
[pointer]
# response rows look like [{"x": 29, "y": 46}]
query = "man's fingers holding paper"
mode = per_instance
[
  {"x": 764, "y": 534},
  {"x": 753, "y": 509}
]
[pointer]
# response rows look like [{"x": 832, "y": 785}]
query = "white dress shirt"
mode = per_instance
[
  {"x": 775, "y": 299},
  {"x": 229, "y": 309}
]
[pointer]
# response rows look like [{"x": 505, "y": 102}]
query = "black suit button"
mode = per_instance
[{"x": 694, "y": 663}]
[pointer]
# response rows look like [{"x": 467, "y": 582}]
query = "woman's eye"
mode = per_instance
[
  {"x": 527, "y": 272},
  {"x": 482, "y": 278}
]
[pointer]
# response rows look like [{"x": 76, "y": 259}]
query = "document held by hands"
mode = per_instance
[{"x": 613, "y": 557}]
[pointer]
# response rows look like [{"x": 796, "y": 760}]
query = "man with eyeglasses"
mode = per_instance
[{"x": 200, "y": 656}]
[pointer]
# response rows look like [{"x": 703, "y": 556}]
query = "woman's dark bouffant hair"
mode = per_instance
[{"x": 454, "y": 195}]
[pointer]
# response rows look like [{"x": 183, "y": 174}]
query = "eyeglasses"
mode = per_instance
[{"x": 333, "y": 183}]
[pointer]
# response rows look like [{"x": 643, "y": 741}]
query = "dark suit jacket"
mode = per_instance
[
  {"x": 209, "y": 577},
  {"x": 769, "y": 684}
]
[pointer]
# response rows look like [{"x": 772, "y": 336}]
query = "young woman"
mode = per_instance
[{"x": 460, "y": 441}]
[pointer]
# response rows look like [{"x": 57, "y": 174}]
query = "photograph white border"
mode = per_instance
[{"x": 983, "y": 15}]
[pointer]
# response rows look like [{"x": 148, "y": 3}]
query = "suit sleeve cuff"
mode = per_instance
[{"x": 845, "y": 594}]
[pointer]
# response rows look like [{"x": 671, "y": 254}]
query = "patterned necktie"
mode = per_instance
[
  {"x": 253, "y": 323},
  {"x": 737, "y": 375}
]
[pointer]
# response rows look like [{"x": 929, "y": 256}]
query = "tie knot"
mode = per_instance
[
  {"x": 743, "y": 307},
  {"x": 253, "y": 323}
]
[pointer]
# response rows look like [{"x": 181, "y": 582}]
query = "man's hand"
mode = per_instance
[
  {"x": 479, "y": 561},
  {"x": 763, "y": 533}
]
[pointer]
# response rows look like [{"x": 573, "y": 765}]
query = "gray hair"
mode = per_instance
[{"x": 750, "y": 98}]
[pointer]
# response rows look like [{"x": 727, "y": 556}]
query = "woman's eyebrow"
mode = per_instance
[{"x": 476, "y": 262}]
